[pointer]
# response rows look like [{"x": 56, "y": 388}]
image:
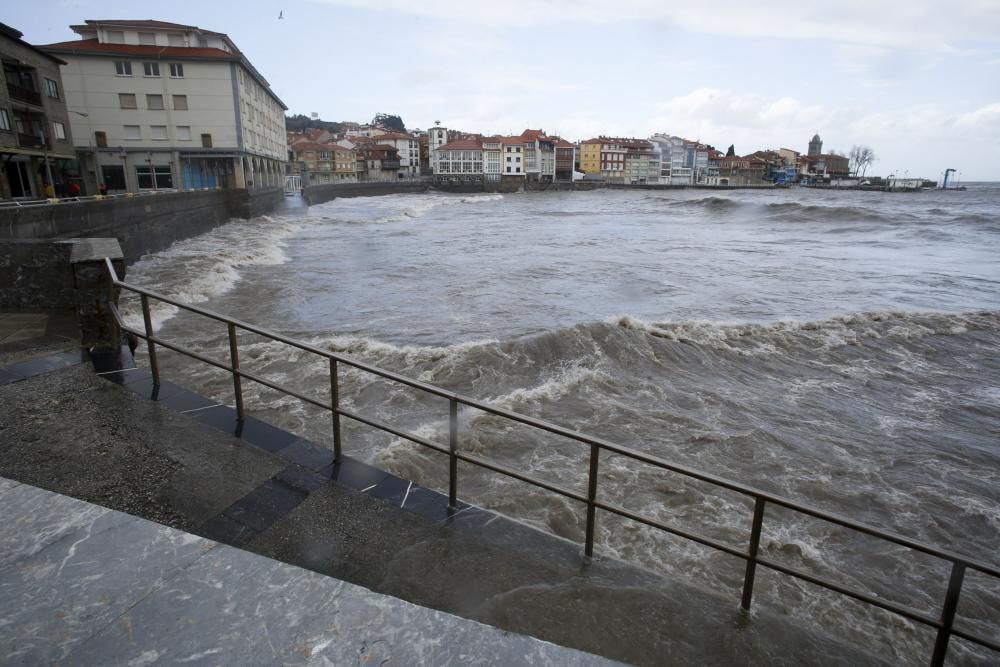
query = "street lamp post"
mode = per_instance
[
  {"x": 124, "y": 157},
  {"x": 149, "y": 164},
  {"x": 98, "y": 172},
  {"x": 45, "y": 154}
]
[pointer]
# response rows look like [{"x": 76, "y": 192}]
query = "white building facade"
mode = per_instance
[
  {"x": 460, "y": 160},
  {"x": 163, "y": 105},
  {"x": 409, "y": 152},
  {"x": 436, "y": 138}
]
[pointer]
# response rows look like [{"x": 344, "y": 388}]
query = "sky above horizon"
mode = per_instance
[{"x": 917, "y": 81}]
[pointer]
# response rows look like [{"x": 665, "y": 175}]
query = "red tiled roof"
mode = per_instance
[
  {"x": 142, "y": 50},
  {"x": 462, "y": 145},
  {"x": 394, "y": 135},
  {"x": 593, "y": 141}
]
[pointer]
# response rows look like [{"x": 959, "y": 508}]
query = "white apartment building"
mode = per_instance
[
  {"x": 164, "y": 105},
  {"x": 492, "y": 158},
  {"x": 512, "y": 156},
  {"x": 409, "y": 152},
  {"x": 461, "y": 159},
  {"x": 676, "y": 159}
]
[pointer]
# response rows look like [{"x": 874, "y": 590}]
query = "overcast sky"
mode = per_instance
[{"x": 918, "y": 81}]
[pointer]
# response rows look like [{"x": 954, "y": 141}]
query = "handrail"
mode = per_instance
[
  {"x": 18, "y": 203},
  {"x": 761, "y": 498}
]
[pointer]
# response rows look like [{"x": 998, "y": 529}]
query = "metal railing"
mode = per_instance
[
  {"x": 24, "y": 94},
  {"x": 32, "y": 141},
  {"x": 27, "y": 203},
  {"x": 960, "y": 564}
]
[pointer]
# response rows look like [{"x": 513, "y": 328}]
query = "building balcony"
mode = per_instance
[
  {"x": 390, "y": 164},
  {"x": 24, "y": 94},
  {"x": 31, "y": 141}
]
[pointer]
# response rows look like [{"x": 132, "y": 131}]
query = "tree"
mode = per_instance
[
  {"x": 861, "y": 158},
  {"x": 389, "y": 122},
  {"x": 300, "y": 123},
  {"x": 732, "y": 151}
]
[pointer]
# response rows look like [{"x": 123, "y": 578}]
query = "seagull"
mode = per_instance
[{"x": 281, "y": 14}]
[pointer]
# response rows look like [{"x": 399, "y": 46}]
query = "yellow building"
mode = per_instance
[
  {"x": 345, "y": 164},
  {"x": 590, "y": 156}
]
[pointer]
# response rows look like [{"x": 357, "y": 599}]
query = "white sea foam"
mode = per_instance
[
  {"x": 396, "y": 208},
  {"x": 776, "y": 338},
  {"x": 197, "y": 269}
]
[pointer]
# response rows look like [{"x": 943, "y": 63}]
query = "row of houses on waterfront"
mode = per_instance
[
  {"x": 669, "y": 160},
  {"x": 451, "y": 157}
]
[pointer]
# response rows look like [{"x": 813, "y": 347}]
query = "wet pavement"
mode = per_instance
[
  {"x": 84, "y": 585},
  {"x": 177, "y": 460}
]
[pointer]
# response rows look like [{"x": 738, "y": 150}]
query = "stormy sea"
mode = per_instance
[{"x": 841, "y": 349}]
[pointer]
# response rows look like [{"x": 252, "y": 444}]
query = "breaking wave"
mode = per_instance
[
  {"x": 198, "y": 269},
  {"x": 395, "y": 208}
]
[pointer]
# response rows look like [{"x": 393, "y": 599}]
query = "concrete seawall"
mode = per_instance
[
  {"x": 318, "y": 194},
  {"x": 142, "y": 224}
]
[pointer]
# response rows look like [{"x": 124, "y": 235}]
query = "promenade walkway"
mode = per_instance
[
  {"x": 84, "y": 585},
  {"x": 175, "y": 461}
]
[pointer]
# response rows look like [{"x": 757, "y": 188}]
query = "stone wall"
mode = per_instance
[
  {"x": 142, "y": 224},
  {"x": 256, "y": 202},
  {"x": 36, "y": 274},
  {"x": 70, "y": 273}
]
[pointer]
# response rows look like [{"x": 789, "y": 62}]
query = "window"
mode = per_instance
[
  {"x": 126, "y": 100},
  {"x": 123, "y": 68},
  {"x": 206, "y": 141},
  {"x": 147, "y": 38},
  {"x": 4, "y": 120},
  {"x": 114, "y": 176},
  {"x": 183, "y": 133},
  {"x": 158, "y": 132},
  {"x": 151, "y": 69},
  {"x": 132, "y": 132},
  {"x": 176, "y": 70},
  {"x": 60, "y": 130},
  {"x": 181, "y": 102},
  {"x": 116, "y": 37},
  {"x": 175, "y": 40},
  {"x": 154, "y": 102},
  {"x": 51, "y": 88},
  {"x": 154, "y": 177},
  {"x": 101, "y": 139}
]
